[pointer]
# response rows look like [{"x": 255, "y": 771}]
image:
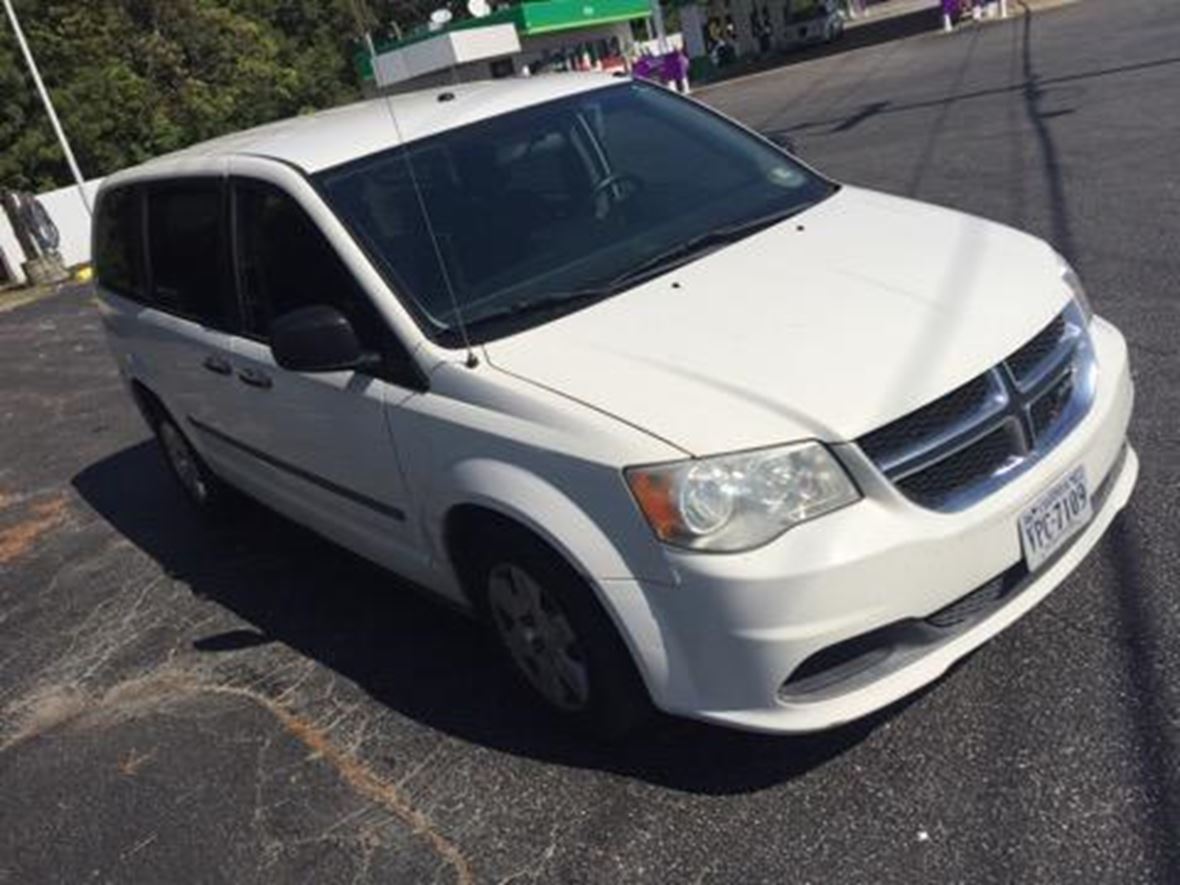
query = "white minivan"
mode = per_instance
[{"x": 689, "y": 424}]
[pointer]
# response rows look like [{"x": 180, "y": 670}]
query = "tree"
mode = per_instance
[{"x": 132, "y": 79}]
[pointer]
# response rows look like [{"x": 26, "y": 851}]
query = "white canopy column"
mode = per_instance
[
  {"x": 747, "y": 43},
  {"x": 779, "y": 10},
  {"x": 692, "y": 24}
]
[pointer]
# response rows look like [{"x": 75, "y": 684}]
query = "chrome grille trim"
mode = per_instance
[
  {"x": 1016, "y": 388},
  {"x": 1067, "y": 375},
  {"x": 1050, "y": 364},
  {"x": 968, "y": 436},
  {"x": 901, "y": 462}
]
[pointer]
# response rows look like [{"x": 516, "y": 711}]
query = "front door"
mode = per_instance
[{"x": 315, "y": 445}]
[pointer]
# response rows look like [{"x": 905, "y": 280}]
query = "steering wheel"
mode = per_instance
[{"x": 615, "y": 188}]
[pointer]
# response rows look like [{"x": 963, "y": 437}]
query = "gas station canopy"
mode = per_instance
[{"x": 528, "y": 19}]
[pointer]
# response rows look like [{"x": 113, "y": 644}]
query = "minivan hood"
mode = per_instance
[{"x": 825, "y": 326}]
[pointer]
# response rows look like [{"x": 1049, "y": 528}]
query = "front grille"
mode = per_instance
[
  {"x": 1047, "y": 410},
  {"x": 983, "y": 458},
  {"x": 928, "y": 422},
  {"x": 980, "y": 601},
  {"x": 1025, "y": 362},
  {"x": 948, "y": 453}
]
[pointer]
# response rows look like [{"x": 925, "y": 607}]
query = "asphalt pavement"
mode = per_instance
[{"x": 245, "y": 703}]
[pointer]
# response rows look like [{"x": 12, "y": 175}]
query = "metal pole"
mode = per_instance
[{"x": 61, "y": 135}]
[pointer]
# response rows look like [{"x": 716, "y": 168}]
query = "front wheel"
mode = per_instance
[{"x": 558, "y": 639}]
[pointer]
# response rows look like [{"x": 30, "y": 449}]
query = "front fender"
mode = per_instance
[
  {"x": 575, "y": 529},
  {"x": 614, "y": 564}
]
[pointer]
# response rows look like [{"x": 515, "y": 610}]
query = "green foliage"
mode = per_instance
[{"x": 132, "y": 79}]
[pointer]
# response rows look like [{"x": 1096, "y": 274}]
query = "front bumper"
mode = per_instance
[{"x": 721, "y": 644}]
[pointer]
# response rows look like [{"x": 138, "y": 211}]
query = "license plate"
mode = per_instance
[{"x": 1056, "y": 516}]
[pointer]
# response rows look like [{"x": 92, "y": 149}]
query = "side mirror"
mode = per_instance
[
  {"x": 782, "y": 140},
  {"x": 318, "y": 338}
]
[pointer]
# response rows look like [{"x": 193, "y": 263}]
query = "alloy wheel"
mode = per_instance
[{"x": 539, "y": 637}]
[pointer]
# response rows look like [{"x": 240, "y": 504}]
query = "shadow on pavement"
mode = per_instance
[
  {"x": 1157, "y": 754},
  {"x": 407, "y": 652}
]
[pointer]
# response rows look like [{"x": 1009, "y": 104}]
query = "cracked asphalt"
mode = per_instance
[{"x": 246, "y": 703}]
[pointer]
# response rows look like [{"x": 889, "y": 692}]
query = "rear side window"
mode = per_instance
[
  {"x": 285, "y": 263},
  {"x": 187, "y": 251},
  {"x": 118, "y": 243}
]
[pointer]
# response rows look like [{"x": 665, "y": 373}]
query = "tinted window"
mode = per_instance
[
  {"x": 186, "y": 250},
  {"x": 557, "y": 199},
  {"x": 284, "y": 263},
  {"x": 118, "y": 242},
  {"x": 708, "y": 161}
]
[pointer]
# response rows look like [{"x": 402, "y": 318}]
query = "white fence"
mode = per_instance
[{"x": 68, "y": 212}]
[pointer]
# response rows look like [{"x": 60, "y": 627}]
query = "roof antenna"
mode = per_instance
[{"x": 471, "y": 360}]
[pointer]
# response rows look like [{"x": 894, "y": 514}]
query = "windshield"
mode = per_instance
[{"x": 560, "y": 204}]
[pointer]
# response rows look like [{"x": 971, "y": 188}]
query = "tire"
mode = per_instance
[
  {"x": 555, "y": 636},
  {"x": 201, "y": 487}
]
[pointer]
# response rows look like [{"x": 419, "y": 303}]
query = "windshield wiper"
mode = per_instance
[
  {"x": 682, "y": 253},
  {"x": 550, "y": 302}
]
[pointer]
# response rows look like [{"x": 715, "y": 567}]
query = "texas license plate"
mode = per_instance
[{"x": 1056, "y": 516}]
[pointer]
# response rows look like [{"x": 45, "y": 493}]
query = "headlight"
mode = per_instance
[
  {"x": 735, "y": 502},
  {"x": 1073, "y": 282}
]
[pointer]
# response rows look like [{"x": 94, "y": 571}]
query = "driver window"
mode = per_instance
[{"x": 285, "y": 263}]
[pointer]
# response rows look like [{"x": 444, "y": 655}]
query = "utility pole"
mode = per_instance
[{"x": 61, "y": 135}]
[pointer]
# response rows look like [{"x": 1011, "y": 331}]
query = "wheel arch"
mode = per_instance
[
  {"x": 488, "y": 491},
  {"x": 150, "y": 406},
  {"x": 486, "y": 488}
]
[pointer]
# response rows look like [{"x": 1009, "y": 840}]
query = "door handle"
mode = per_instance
[
  {"x": 254, "y": 378},
  {"x": 217, "y": 365}
]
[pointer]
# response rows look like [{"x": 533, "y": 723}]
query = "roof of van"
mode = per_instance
[{"x": 328, "y": 138}]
